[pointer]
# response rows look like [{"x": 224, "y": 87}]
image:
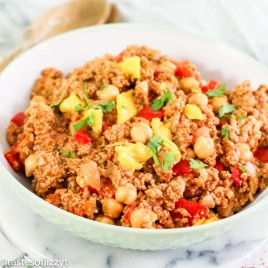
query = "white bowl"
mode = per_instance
[{"x": 67, "y": 51}]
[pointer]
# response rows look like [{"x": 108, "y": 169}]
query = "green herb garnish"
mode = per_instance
[
  {"x": 91, "y": 119},
  {"x": 106, "y": 106},
  {"x": 57, "y": 103},
  {"x": 85, "y": 86},
  {"x": 155, "y": 144},
  {"x": 80, "y": 124},
  {"x": 225, "y": 132},
  {"x": 123, "y": 106},
  {"x": 104, "y": 86},
  {"x": 195, "y": 91},
  {"x": 78, "y": 107},
  {"x": 71, "y": 154},
  {"x": 168, "y": 160},
  {"x": 159, "y": 103},
  {"x": 66, "y": 153},
  {"x": 242, "y": 168},
  {"x": 196, "y": 164},
  {"x": 216, "y": 92},
  {"x": 225, "y": 109},
  {"x": 87, "y": 101}
]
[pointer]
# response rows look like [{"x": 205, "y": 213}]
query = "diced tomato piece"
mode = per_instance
[
  {"x": 262, "y": 154},
  {"x": 82, "y": 137},
  {"x": 182, "y": 168},
  {"x": 129, "y": 210},
  {"x": 185, "y": 69},
  {"x": 213, "y": 84},
  {"x": 18, "y": 119},
  {"x": 105, "y": 126},
  {"x": 236, "y": 175},
  {"x": 13, "y": 160},
  {"x": 149, "y": 114},
  {"x": 219, "y": 166},
  {"x": 195, "y": 210},
  {"x": 92, "y": 190},
  {"x": 119, "y": 58}
]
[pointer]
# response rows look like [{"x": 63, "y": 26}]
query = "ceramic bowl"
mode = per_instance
[{"x": 67, "y": 51}]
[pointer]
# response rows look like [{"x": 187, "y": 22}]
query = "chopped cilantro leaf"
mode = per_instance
[
  {"x": 91, "y": 119},
  {"x": 85, "y": 86},
  {"x": 242, "y": 168},
  {"x": 87, "y": 101},
  {"x": 196, "y": 164},
  {"x": 168, "y": 160},
  {"x": 154, "y": 157},
  {"x": 78, "y": 107},
  {"x": 216, "y": 92},
  {"x": 73, "y": 154},
  {"x": 66, "y": 153},
  {"x": 103, "y": 86},
  {"x": 80, "y": 124},
  {"x": 159, "y": 103},
  {"x": 106, "y": 106},
  {"x": 155, "y": 144},
  {"x": 225, "y": 132},
  {"x": 57, "y": 103},
  {"x": 225, "y": 109}
]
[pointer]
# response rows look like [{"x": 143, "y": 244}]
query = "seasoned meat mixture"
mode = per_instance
[{"x": 141, "y": 140}]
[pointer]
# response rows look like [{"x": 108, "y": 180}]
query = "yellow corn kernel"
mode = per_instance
[
  {"x": 126, "y": 108},
  {"x": 67, "y": 105},
  {"x": 131, "y": 67},
  {"x": 98, "y": 115},
  {"x": 192, "y": 111},
  {"x": 160, "y": 130}
]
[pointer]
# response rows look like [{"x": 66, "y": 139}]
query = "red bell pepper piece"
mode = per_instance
[
  {"x": 213, "y": 84},
  {"x": 82, "y": 137},
  {"x": 13, "y": 160},
  {"x": 219, "y": 166},
  {"x": 185, "y": 69},
  {"x": 119, "y": 58},
  {"x": 149, "y": 114},
  {"x": 129, "y": 210},
  {"x": 182, "y": 168},
  {"x": 195, "y": 210},
  {"x": 105, "y": 126},
  {"x": 18, "y": 119},
  {"x": 262, "y": 154},
  {"x": 236, "y": 175}
]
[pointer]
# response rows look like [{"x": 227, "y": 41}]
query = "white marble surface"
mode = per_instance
[{"x": 242, "y": 24}]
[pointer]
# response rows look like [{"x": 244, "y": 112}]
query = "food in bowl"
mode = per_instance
[{"x": 141, "y": 140}]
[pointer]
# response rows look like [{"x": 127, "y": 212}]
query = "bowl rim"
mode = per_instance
[{"x": 13, "y": 182}]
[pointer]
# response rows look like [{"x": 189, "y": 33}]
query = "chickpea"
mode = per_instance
[
  {"x": 190, "y": 153},
  {"x": 141, "y": 218},
  {"x": 142, "y": 88},
  {"x": 111, "y": 207},
  {"x": 203, "y": 147},
  {"x": 126, "y": 194},
  {"x": 30, "y": 164},
  {"x": 141, "y": 132},
  {"x": 202, "y": 132},
  {"x": 188, "y": 83},
  {"x": 109, "y": 93},
  {"x": 244, "y": 151},
  {"x": 105, "y": 219},
  {"x": 199, "y": 99},
  {"x": 217, "y": 102}
]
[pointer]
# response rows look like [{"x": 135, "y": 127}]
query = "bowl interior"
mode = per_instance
[{"x": 71, "y": 50}]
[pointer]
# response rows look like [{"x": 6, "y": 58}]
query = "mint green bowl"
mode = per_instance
[{"x": 67, "y": 51}]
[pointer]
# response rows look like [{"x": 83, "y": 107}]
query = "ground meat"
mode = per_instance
[{"x": 80, "y": 159}]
